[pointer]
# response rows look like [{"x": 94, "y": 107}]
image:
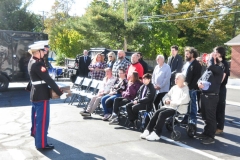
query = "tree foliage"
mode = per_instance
[
  {"x": 15, "y": 16},
  {"x": 198, "y": 23}
]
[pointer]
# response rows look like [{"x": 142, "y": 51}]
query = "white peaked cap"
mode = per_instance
[
  {"x": 36, "y": 46},
  {"x": 43, "y": 42}
]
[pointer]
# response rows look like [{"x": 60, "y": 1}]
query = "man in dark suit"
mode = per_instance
[
  {"x": 83, "y": 63},
  {"x": 192, "y": 70},
  {"x": 175, "y": 62}
]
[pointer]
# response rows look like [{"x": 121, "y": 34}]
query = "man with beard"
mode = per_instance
[
  {"x": 210, "y": 83},
  {"x": 135, "y": 66},
  {"x": 192, "y": 71},
  {"x": 121, "y": 63},
  {"x": 143, "y": 63}
]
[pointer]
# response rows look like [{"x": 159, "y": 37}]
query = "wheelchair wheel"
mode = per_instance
[
  {"x": 175, "y": 135},
  {"x": 169, "y": 126},
  {"x": 191, "y": 130}
]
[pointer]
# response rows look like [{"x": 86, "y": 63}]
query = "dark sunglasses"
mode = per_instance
[{"x": 43, "y": 50}]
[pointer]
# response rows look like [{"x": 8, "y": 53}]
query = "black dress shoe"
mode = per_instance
[
  {"x": 201, "y": 136},
  {"x": 47, "y": 147}
]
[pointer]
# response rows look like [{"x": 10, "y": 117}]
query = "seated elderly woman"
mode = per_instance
[
  {"x": 127, "y": 96},
  {"x": 177, "y": 96},
  {"x": 108, "y": 83},
  {"x": 120, "y": 85}
]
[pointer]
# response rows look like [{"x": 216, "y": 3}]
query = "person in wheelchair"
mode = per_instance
[
  {"x": 143, "y": 100},
  {"x": 127, "y": 96},
  {"x": 177, "y": 96}
]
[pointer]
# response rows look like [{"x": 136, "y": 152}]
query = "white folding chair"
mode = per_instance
[
  {"x": 92, "y": 91},
  {"x": 85, "y": 84},
  {"x": 76, "y": 86}
]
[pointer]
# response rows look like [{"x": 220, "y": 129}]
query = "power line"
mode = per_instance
[
  {"x": 192, "y": 11},
  {"x": 173, "y": 20}
]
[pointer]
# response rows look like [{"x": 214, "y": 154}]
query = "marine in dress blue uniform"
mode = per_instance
[{"x": 40, "y": 95}]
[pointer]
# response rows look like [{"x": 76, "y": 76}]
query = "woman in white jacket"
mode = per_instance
[
  {"x": 177, "y": 96},
  {"x": 108, "y": 83}
]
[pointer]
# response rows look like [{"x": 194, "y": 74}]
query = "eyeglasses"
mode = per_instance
[
  {"x": 43, "y": 50},
  {"x": 109, "y": 56}
]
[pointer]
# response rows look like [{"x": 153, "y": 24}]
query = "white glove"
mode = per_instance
[{"x": 63, "y": 96}]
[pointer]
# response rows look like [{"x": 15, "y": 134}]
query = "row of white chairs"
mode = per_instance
[{"x": 84, "y": 89}]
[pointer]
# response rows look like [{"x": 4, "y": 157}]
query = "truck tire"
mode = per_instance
[{"x": 3, "y": 83}]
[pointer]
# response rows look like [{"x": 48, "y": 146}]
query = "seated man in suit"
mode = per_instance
[{"x": 143, "y": 100}]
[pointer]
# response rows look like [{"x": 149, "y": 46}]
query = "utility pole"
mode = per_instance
[
  {"x": 235, "y": 22},
  {"x": 125, "y": 20},
  {"x": 43, "y": 16}
]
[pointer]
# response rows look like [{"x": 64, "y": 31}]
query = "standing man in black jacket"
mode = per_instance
[
  {"x": 40, "y": 95},
  {"x": 143, "y": 100},
  {"x": 210, "y": 83},
  {"x": 143, "y": 63},
  {"x": 175, "y": 62},
  {"x": 83, "y": 63},
  {"x": 220, "y": 115},
  {"x": 192, "y": 71}
]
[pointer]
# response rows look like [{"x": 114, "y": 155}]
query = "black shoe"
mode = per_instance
[
  {"x": 81, "y": 112},
  {"x": 208, "y": 140},
  {"x": 85, "y": 113},
  {"x": 47, "y": 147},
  {"x": 32, "y": 135},
  {"x": 201, "y": 136}
]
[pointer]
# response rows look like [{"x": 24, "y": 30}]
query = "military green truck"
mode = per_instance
[{"x": 14, "y": 57}]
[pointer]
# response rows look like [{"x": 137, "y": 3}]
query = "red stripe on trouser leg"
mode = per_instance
[
  {"x": 34, "y": 124},
  {"x": 44, "y": 123}
]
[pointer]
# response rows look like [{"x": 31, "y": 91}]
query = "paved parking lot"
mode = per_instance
[{"x": 92, "y": 138}]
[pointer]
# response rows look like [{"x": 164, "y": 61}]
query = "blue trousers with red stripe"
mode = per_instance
[{"x": 40, "y": 122}]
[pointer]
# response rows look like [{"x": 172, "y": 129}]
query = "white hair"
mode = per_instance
[
  {"x": 160, "y": 56},
  {"x": 181, "y": 75},
  {"x": 121, "y": 52}
]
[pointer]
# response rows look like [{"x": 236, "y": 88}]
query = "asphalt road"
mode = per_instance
[
  {"x": 233, "y": 95},
  {"x": 78, "y": 138}
]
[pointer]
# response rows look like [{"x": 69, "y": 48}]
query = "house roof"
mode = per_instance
[{"x": 234, "y": 42}]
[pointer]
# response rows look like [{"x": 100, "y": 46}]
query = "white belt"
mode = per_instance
[{"x": 38, "y": 82}]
